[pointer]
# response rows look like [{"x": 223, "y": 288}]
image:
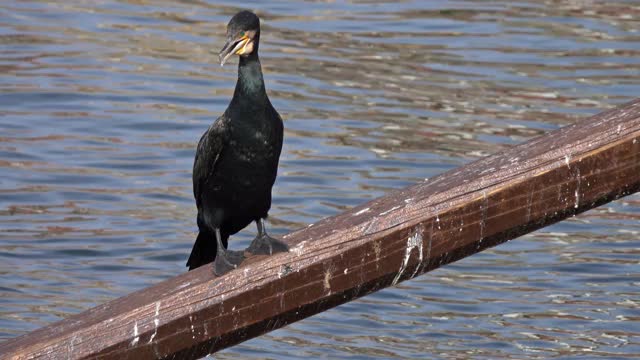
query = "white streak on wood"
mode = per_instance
[
  {"x": 577, "y": 194},
  {"x": 390, "y": 210},
  {"x": 298, "y": 250},
  {"x": 136, "y": 338},
  {"x": 156, "y": 322},
  {"x": 414, "y": 241}
]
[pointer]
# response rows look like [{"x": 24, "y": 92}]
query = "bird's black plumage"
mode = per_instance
[{"x": 236, "y": 160}]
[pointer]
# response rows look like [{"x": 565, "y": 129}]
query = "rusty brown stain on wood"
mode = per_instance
[{"x": 375, "y": 245}]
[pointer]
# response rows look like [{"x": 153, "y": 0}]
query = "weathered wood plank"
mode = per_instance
[{"x": 375, "y": 245}]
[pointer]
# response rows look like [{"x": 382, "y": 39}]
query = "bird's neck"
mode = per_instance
[{"x": 250, "y": 86}]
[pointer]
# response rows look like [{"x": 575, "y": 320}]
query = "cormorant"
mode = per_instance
[{"x": 236, "y": 162}]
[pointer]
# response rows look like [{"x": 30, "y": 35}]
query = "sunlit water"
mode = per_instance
[{"x": 102, "y": 103}]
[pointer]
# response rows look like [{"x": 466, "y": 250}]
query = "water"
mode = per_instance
[{"x": 102, "y": 103}]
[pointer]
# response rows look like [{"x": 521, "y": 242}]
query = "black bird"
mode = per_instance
[{"x": 236, "y": 161}]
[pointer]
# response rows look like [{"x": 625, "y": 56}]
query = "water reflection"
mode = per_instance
[{"x": 101, "y": 105}]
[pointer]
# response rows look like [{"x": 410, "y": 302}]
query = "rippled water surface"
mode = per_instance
[{"x": 102, "y": 103}]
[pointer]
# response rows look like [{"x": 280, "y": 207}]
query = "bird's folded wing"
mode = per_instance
[{"x": 209, "y": 149}]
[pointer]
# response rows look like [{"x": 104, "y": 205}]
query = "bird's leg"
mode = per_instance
[
  {"x": 226, "y": 260},
  {"x": 264, "y": 244}
]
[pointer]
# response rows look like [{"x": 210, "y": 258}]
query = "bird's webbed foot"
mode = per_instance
[
  {"x": 226, "y": 261},
  {"x": 263, "y": 244},
  {"x": 266, "y": 245}
]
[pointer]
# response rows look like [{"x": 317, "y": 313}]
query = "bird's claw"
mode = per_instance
[
  {"x": 227, "y": 261},
  {"x": 266, "y": 245}
]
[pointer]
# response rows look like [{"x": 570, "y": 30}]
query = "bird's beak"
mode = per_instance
[{"x": 233, "y": 46}]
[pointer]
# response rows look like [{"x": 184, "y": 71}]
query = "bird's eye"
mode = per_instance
[{"x": 242, "y": 34}]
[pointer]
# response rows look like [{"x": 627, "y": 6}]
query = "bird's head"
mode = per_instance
[{"x": 243, "y": 35}]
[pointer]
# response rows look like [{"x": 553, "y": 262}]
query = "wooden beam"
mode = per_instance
[{"x": 375, "y": 245}]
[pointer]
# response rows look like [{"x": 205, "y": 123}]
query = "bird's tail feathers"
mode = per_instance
[{"x": 204, "y": 250}]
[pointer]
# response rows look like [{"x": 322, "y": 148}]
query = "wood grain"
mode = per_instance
[{"x": 375, "y": 245}]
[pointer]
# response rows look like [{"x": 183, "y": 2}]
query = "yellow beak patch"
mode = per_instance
[{"x": 243, "y": 45}]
